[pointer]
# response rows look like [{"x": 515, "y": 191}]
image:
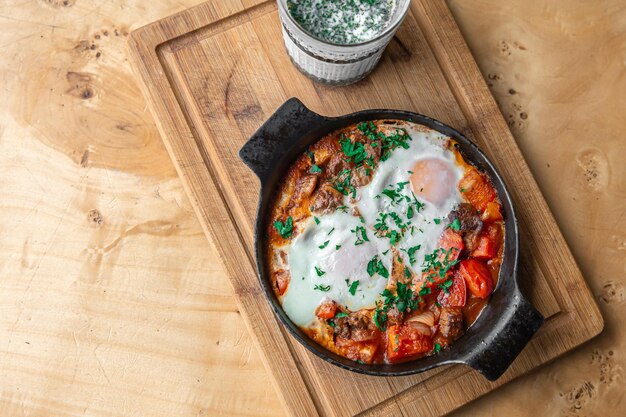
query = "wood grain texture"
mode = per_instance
[
  {"x": 210, "y": 79},
  {"x": 113, "y": 303}
]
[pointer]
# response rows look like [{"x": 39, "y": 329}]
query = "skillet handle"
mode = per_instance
[
  {"x": 283, "y": 129},
  {"x": 494, "y": 356}
]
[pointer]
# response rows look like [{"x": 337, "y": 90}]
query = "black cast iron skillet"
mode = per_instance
[{"x": 507, "y": 322}]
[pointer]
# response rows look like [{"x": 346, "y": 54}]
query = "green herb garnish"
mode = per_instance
[
  {"x": 353, "y": 287},
  {"x": 361, "y": 235},
  {"x": 375, "y": 266},
  {"x": 284, "y": 229}
]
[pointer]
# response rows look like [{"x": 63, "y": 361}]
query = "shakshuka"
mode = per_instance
[{"x": 384, "y": 244}]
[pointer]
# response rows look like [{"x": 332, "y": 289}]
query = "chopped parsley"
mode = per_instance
[
  {"x": 437, "y": 348},
  {"x": 394, "y": 195},
  {"x": 317, "y": 221},
  {"x": 407, "y": 272},
  {"x": 437, "y": 221},
  {"x": 394, "y": 237},
  {"x": 353, "y": 287},
  {"x": 284, "y": 229},
  {"x": 323, "y": 245},
  {"x": 403, "y": 300},
  {"x": 354, "y": 151},
  {"x": 399, "y": 138},
  {"x": 375, "y": 266},
  {"x": 323, "y": 288},
  {"x": 342, "y": 183},
  {"x": 382, "y": 229},
  {"x": 438, "y": 263},
  {"x": 337, "y": 247},
  {"x": 340, "y": 315},
  {"x": 319, "y": 272},
  {"x": 411, "y": 252},
  {"x": 456, "y": 225},
  {"x": 361, "y": 235},
  {"x": 446, "y": 286},
  {"x": 315, "y": 169}
]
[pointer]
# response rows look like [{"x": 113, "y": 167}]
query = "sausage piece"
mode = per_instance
[
  {"x": 451, "y": 323},
  {"x": 357, "y": 327},
  {"x": 470, "y": 224},
  {"x": 326, "y": 199},
  {"x": 304, "y": 188}
]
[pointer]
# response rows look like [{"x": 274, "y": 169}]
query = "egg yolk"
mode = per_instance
[{"x": 433, "y": 180}]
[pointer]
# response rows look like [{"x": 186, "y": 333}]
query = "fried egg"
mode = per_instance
[
  {"x": 415, "y": 188},
  {"x": 328, "y": 260}
]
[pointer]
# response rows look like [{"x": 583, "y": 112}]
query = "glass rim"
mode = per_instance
[{"x": 392, "y": 27}]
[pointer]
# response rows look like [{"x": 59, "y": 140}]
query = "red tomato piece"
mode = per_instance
[
  {"x": 282, "y": 278},
  {"x": 488, "y": 242},
  {"x": 477, "y": 277},
  {"x": 492, "y": 212},
  {"x": 406, "y": 341},
  {"x": 486, "y": 249},
  {"x": 476, "y": 189},
  {"x": 456, "y": 295},
  {"x": 326, "y": 310},
  {"x": 451, "y": 239}
]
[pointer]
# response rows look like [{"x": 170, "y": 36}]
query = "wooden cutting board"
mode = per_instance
[{"x": 212, "y": 74}]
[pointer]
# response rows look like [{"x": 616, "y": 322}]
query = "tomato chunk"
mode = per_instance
[
  {"x": 476, "y": 189},
  {"x": 282, "y": 278},
  {"x": 451, "y": 241},
  {"x": 489, "y": 242},
  {"x": 492, "y": 212},
  {"x": 477, "y": 277},
  {"x": 406, "y": 341},
  {"x": 486, "y": 249},
  {"x": 357, "y": 351},
  {"x": 326, "y": 310},
  {"x": 456, "y": 295}
]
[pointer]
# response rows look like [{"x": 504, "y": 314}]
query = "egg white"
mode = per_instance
[
  {"x": 427, "y": 224},
  {"x": 348, "y": 262}
]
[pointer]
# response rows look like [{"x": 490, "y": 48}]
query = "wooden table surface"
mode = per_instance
[{"x": 112, "y": 302}]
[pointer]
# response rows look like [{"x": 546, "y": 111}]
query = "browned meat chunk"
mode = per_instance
[
  {"x": 326, "y": 199},
  {"x": 470, "y": 224},
  {"x": 336, "y": 165},
  {"x": 357, "y": 327},
  {"x": 451, "y": 323},
  {"x": 304, "y": 188}
]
